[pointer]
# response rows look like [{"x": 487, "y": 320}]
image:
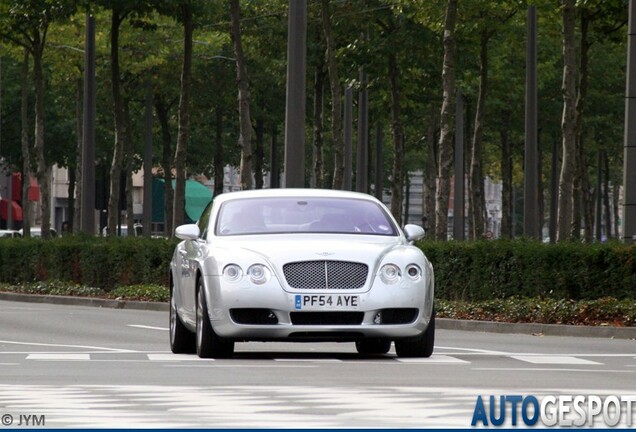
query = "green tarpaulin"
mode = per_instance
[{"x": 197, "y": 197}]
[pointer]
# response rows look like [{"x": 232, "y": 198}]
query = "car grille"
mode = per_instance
[{"x": 325, "y": 274}]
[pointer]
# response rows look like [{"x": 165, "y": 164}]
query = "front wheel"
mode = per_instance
[
  {"x": 209, "y": 345},
  {"x": 418, "y": 346}
]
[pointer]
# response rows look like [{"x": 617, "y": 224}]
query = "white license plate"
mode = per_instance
[{"x": 326, "y": 301}]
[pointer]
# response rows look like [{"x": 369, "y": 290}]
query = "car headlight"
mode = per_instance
[
  {"x": 258, "y": 274},
  {"x": 232, "y": 272},
  {"x": 414, "y": 272},
  {"x": 390, "y": 274}
]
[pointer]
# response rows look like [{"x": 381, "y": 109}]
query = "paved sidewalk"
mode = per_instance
[{"x": 441, "y": 323}]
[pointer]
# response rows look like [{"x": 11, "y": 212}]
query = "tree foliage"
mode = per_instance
[{"x": 399, "y": 43}]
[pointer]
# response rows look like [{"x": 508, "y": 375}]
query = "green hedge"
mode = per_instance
[
  {"x": 97, "y": 262},
  {"x": 463, "y": 271},
  {"x": 500, "y": 269}
]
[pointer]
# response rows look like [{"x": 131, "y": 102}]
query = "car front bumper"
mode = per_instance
[{"x": 268, "y": 312}]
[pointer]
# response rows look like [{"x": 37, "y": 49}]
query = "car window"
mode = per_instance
[
  {"x": 303, "y": 215},
  {"x": 204, "y": 221}
]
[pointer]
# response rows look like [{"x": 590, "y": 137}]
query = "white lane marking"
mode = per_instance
[
  {"x": 216, "y": 366},
  {"x": 474, "y": 350},
  {"x": 175, "y": 357},
  {"x": 9, "y": 364},
  {"x": 434, "y": 359},
  {"x": 69, "y": 346},
  {"x": 554, "y": 370},
  {"x": 148, "y": 327},
  {"x": 555, "y": 359},
  {"x": 72, "y": 352},
  {"x": 480, "y": 352},
  {"x": 314, "y": 360},
  {"x": 63, "y": 356}
]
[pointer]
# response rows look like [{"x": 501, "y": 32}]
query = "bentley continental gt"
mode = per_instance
[{"x": 301, "y": 265}]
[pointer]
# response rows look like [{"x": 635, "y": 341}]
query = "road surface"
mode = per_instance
[{"x": 73, "y": 366}]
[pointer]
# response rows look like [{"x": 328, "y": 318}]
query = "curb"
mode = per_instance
[
  {"x": 440, "y": 323},
  {"x": 85, "y": 301},
  {"x": 538, "y": 329}
]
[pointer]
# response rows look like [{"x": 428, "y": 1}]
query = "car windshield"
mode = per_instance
[{"x": 303, "y": 215}]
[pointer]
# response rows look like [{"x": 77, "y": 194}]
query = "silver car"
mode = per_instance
[{"x": 300, "y": 265}]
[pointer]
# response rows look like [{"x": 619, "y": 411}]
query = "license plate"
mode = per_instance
[{"x": 326, "y": 301}]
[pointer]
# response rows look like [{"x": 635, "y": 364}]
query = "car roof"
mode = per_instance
[{"x": 293, "y": 192}]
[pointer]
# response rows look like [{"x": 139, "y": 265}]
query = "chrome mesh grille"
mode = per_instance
[{"x": 325, "y": 274}]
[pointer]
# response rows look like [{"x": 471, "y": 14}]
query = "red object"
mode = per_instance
[
  {"x": 34, "y": 190},
  {"x": 16, "y": 210},
  {"x": 16, "y": 184}
]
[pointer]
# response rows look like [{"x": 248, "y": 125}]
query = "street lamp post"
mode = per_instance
[
  {"x": 295, "y": 107},
  {"x": 629, "y": 160}
]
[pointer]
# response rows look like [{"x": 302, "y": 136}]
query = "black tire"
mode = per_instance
[
  {"x": 181, "y": 339},
  {"x": 373, "y": 346},
  {"x": 208, "y": 344},
  {"x": 418, "y": 346}
]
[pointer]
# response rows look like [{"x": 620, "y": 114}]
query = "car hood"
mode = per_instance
[{"x": 278, "y": 250}]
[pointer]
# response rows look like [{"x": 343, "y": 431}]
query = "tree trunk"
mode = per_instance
[
  {"x": 128, "y": 154},
  {"x": 568, "y": 122},
  {"x": 506, "y": 177},
  {"x": 166, "y": 161},
  {"x": 318, "y": 177},
  {"x": 430, "y": 170},
  {"x": 181, "y": 152},
  {"x": 606, "y": 201},
  {"x": 582, "y": 200},
  {"x": 476, "y": 185},
  {"x": 397, "y": 182},
  {"x": 615, "y": 196},
  {"x": 586, "y": 196},
  {"x": 274, "y": 160},
  {"x": 336, "y": 97},
  {"x": 44, "y": 179},
  {"x": 245, "y": 123},
  {"x": 79, "y": 127},
  {"x": 259, "y": 152},
  {"x": 219, "y": 173},
  {"x": 118, "y": 109},
  {"x": 577, "y": 210},
  {"x": 26, "y": 153},
  {"x": 72, "y": 183},
  {"x": 446, "y": 124},
  {"x": 540, "y": 190}
]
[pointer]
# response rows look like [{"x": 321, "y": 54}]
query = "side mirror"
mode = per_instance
[
  {"x": 413, "y": 232},
  {"x": 187, "y": 232}
]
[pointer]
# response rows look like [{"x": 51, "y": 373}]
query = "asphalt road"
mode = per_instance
[{"x": 72, "y": 366}]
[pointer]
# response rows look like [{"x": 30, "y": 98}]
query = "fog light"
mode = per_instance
[{"x": 377, "y": 319}]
